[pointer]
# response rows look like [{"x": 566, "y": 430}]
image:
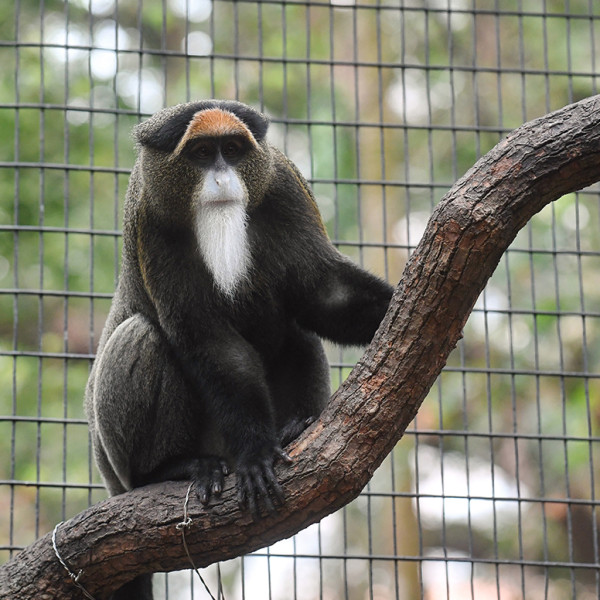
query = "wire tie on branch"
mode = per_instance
[
  {"x": 72, "y": 575},
  {"x": 187, "y": 521}
]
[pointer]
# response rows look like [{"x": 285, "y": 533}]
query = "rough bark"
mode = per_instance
[{"x": 467, "y": 234}]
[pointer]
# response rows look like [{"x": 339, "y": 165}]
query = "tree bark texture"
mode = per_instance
[{"x": 467, "y": 234}]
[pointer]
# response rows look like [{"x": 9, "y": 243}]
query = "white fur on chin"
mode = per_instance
[{"x": 223, "y": 243}]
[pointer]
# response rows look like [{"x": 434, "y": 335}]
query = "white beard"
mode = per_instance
[{"x": 223, "y": 243}]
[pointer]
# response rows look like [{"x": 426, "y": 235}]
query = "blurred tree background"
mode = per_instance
[{"x": 383, "y": 105}]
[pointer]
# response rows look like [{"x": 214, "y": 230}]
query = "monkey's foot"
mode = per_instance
[
  {"x": 209, "y": 477},
  {"x": 257, "y": 483}
]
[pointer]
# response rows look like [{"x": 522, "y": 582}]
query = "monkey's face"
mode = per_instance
[
  {"x": 221, "y": 149},
  {"x": 217, "y": 159},
  {"x": 207, "y": 153}
]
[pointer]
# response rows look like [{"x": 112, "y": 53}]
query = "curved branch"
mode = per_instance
[{"x": 466, "y": 236}]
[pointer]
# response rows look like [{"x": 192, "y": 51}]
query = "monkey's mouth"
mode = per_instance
[{"x": 221, "y": 201}]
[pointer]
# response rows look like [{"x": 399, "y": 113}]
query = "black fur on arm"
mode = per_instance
[
  {"x": 344, "y": 303},
  {"x": 327, "y": 292}
]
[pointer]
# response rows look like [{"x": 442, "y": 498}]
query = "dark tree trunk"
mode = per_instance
[{"x": 467, "y": 234}]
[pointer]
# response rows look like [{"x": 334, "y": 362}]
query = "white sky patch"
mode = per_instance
[
  {"x": 96, "y": 7},
  {"x": 465, "y": 490},
  {"x": 109, "y": 36},
  {"x": 103, "y": 64},
  {"x": 195, "y": 11},
  {"x": 144, "y": 87},
  {"x": 198, "y": 44}
]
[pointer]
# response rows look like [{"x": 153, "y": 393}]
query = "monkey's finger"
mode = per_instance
[
  {"x": 244, "y": 488},
  {"x": 224, "y": 467},
  {"x": 283, "y": 455},
  {"x": 261, "y": 490},
  {"x": 268, "y": 474},
  {"x": 276, "y": 491},
  {"x": 247, "y": 495},
  {"x": 217, "y": 480},
  {"x": 203, "y": 492},
  {"x": 241, "y": 490}
]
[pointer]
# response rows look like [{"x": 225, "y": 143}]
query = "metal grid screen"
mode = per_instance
[{"x": 492, "y": 493}]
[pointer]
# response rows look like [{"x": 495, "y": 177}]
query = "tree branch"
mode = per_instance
[{"x": 466, "y": 236}]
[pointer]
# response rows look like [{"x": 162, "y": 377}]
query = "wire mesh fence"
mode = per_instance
[{"x": 382, "y": 105}]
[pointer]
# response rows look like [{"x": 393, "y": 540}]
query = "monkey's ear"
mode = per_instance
[{"x": 165, "y": 129}]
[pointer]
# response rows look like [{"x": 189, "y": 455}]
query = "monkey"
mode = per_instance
[{"x": 211, "y": 358}]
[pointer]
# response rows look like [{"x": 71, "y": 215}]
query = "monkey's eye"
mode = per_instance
[
  {"x": 202, "y": 150},
  {"x": 232, "y": 149}
]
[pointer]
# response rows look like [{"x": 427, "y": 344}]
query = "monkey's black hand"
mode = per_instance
[
  {"x": 293, "y": 428},
  {"x": 257, "y": 483},
  {"x": 209, "y": 477}
]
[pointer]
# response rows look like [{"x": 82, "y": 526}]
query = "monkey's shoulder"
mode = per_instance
[
  {"x": 289, "y": 206},
  {"x": 288, "y": 178}
]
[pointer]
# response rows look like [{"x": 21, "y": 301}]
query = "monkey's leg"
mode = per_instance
[
  {"x": 300, "y": 382},
  {"x": 144, "y": 424},
  {"x": 148, "y": 425}
]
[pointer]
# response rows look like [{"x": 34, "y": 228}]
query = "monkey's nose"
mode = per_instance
[{"x": 222, "y": 179}]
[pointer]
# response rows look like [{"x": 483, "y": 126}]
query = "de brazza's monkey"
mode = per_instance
[{"x": 210, "y": 357}]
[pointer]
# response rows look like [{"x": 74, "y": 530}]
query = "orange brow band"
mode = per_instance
[{"x": 214, "y": 122}]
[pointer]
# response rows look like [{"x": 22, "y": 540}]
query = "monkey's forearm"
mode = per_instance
[{"x": 348, "y": 306}]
